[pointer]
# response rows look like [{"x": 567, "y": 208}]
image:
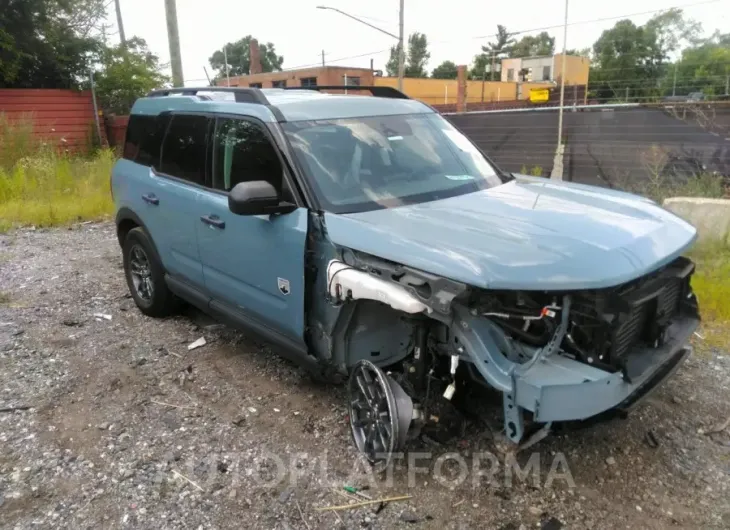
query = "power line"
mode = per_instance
[
  {"x": 603, "y": 19},
  {"x": 557, "y": 26}
]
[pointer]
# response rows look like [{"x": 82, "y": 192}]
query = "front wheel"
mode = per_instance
[{"x": 145, "y": 276}]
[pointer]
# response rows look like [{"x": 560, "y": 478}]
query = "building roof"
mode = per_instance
[{"x": 291, "y": 105}]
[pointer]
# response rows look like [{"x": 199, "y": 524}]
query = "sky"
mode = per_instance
[{"x": 456, "y": 29}]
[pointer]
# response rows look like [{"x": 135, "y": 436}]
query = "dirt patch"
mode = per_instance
[{"x": 127, "y": 429}]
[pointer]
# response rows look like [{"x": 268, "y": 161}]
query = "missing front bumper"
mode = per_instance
[{"x": 562, "y": 389}]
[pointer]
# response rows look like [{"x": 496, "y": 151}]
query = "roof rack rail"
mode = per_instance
[
  {"x": 242, "y": 95},
  {"x": 377, "y": 91}
]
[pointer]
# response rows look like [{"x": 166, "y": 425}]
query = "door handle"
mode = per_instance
[
  {"x": 151, "y": 198},
  {"x": 213, "y": 220}
]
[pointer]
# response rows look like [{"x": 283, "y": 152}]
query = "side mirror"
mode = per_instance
[{"x": 257, "y": 197}]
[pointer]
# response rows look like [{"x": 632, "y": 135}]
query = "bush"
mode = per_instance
[
  {"x": 41, "y": 187},
  {"x": 711, "y": 282},
  {"x": 16, "y": 141}
]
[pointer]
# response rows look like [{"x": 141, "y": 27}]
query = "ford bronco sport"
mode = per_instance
[{"x": 368, "y": 238}]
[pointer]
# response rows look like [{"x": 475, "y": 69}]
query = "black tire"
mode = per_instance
[{"x": 146, "y": 282}]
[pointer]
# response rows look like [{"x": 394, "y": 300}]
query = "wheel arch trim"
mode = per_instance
[{"x": 124, "y": 215}]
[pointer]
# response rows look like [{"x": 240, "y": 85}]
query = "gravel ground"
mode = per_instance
[{"x": 118, "y": 425}]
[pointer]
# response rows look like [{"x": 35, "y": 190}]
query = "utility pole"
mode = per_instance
[
  {"x": 173, "y": 38},
  {"x": 322, "y": 57},
  {"x": 225, "y": 61},
  {"x": 120, "y": 23},
  {"x": 402, "y": 54},
  {"x": 674, "y": 83},
  {"x": 557, "y": 172}
]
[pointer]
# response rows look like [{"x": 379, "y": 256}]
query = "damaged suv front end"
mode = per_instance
[{"x": 569, "y": 300}]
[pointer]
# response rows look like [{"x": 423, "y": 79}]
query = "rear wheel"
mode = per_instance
[{"x": 145, "y": 276}]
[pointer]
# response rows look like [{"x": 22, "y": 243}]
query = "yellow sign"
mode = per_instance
[{"x": 539, "y": 95}]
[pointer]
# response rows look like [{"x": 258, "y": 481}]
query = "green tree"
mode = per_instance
[
  {"x": 493, "y": 53},
  {"x": 446, "y": 70},
  {"x": 532, "y": 46},
  {"x": 634, "y": 59},
  {"x": 239, "y": 58},
  {"x": 48, "y": 43},
  {"x": 670, "y": 30},
  {"x": 418, "y": 55},
  {"x": 391, "y": 67},
  {"x": 127, "y": 73},
  {"x": 582, "y": 52},
  {"x": 704, "y": 67}
]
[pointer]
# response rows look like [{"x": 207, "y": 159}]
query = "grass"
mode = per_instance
[
  {"x": 711, "y": 284},
  {"x": 43, "y": 187}
]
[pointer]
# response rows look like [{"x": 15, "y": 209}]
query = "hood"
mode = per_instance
[{"x": 530, "y": 234}]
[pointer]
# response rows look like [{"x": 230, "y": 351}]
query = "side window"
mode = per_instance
[
  {"x": 135, "y": 129},
  {"x": 242, "y": 153},
  {"x": 183, "y": 152},
  {"x": 144, "y": 138}
]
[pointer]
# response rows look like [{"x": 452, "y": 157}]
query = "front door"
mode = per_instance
[{"x": 253, "y": 263}]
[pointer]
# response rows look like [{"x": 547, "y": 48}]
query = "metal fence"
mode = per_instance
[{"x": 609, "y": 145}]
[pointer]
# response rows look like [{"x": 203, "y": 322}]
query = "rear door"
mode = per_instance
[
  {"x": 134, "y": 183},
  {"x": 253, "y": 263},
  {"x": 179, "y": 180}
]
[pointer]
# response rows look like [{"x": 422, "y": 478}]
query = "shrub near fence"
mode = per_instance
[
  {"x": 41, "y": 185},
  {"x": 116, "y": 130}
]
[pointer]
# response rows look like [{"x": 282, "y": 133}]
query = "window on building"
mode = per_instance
[
  {"x": 279, "y": 84},
  {"x": 351, "y": 80},
  {"x": 308, "y": 81},
  {"x": 510, "y": 74},
  {"x": 255, "y": 85},
  {"x": 546, "y": 73},
  {"x": 183, "y": 151},
  {"x": 243, "y": 153},
  {"x": 144, "y": 138}
]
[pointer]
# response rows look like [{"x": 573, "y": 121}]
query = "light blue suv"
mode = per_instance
[{"x": 368, "y": 238}]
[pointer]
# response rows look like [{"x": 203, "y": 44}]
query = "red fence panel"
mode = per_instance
[
  {"x": 116, "y": 130},
  {"x": 64, "y": 117}
]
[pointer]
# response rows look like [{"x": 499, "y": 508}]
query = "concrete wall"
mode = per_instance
[
  {"x": 577, "y": 69},
  {"x": 511, "y": 64},
  {"x": 711, "y": 217},
  {"x": 444, "y": 91},
  {"x": 535, "y": 66}
]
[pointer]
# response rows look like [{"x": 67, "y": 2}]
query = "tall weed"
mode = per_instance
[{"x": 42, "y": 187}]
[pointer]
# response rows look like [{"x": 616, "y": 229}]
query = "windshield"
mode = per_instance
[{"x": 376, "y": 162}]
